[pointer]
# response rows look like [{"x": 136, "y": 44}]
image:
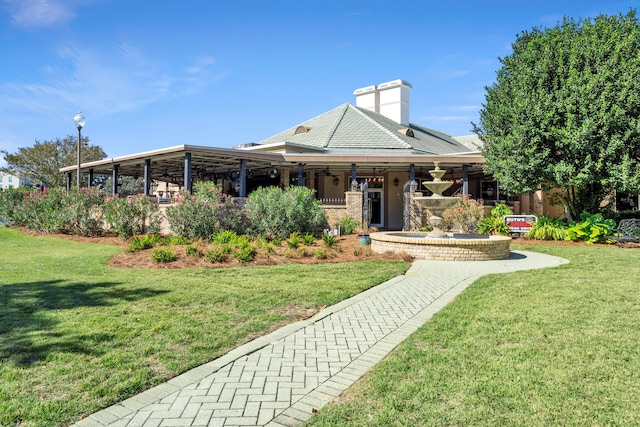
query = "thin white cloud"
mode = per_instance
[
  {"x": 117, "y": 81},
  {"x": 39, "y": 13}
]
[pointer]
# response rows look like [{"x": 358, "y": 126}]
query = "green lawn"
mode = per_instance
[
  {"x": 77, "y": 335},
  {"x": 555, "y": 347}
]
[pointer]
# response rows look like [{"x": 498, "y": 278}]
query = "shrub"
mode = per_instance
[
  {"x": 265, "y": 245},
  {"x": 230, "y": 215},
  {"x": 501, "y": 210},
  {"x": 132, "y": 215},
  {"x": 244, "y": 253},
  {"x": 294, "y": 240},
  {"x": 11, "y": 200},
  {"x": 178, "y": 241},
  {"x": 193, "y": 251},
  {"x": 218, "y": 253},
  {"x": 275, "y": 212},
  {"x": 495, "y": 224},
  {"x": 204, "y": 213},
  {"x": 329, "y": 241},
  {"x": 592, "y": 229},
  {"x": 160, "y": 255},
  {"x": 290, "y": 253},
  {"x": 42, "y": 210},
  {"x": 224, "y": 236},
  {"x": 140, "y": 243},
  {"x": 465, "y": 215},
  {"x": 546, "y": 228},
  {"x": 82, "y": 213},
  {"x": 309, "y": 239},
  {"x": 348, "y": 224},
  {"x": 320, "y": 254}
]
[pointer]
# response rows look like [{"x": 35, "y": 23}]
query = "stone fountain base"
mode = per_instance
[{"x": 419, "y": 246}]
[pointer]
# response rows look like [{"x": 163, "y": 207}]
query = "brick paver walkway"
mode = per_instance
[{"x": 282, "y": 378}]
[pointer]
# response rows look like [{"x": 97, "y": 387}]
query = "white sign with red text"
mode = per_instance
[{"x": 520, "y": 223}]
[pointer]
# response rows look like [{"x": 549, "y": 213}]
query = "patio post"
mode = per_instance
[
  {"x": 90, "y": 182},
  {"x": 114, "y": 178},
  {"x": 243, "y": 178},
  {"x": 188, "y": 185},
  {"x": 147, "y": 176},
  {"x": 465, "y": 180},
  {"x": 68, "y": 182},
  {"x": 300, "y": 174}
]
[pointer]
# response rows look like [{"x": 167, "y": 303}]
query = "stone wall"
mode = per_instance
[{"x": 334, "y": 214}]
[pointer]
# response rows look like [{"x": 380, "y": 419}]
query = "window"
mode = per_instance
[{"x": 10, "y": 178}]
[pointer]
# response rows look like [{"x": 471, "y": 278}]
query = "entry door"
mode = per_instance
[{"x": 376, "y": 208}]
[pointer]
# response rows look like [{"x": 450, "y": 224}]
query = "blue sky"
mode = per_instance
[{"x": 154, "y": 74}]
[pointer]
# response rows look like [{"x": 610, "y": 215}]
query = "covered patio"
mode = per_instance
[{"x": 238, "y": 171}]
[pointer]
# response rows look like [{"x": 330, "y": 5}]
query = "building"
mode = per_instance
[
  {"x": 12, "y": 181},
  {"x": 373, "y": 141}
]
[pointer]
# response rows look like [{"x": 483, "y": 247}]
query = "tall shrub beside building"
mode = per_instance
[
  {"x": 205, "y": 212},
  {"x": 275, "y": 212},
  {"x": 131, "y": 215}
]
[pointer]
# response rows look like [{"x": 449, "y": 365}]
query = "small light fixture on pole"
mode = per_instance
[{"x": 79, "y": 120}]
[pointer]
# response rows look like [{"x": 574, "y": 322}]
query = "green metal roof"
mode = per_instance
[{"x": 347, "y": 128}]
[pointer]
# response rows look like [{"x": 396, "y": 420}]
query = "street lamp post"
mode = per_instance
[{"x": 79, "y": 120}]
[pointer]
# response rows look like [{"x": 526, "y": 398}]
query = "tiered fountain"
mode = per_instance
[
  {"x": 436, "y": 244},
  {"x": 437, "y": 203}
]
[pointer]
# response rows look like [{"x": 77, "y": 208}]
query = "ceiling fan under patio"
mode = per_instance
[
  {"x": 336, "y": 178},
  {"x": 327, "y": 172}
]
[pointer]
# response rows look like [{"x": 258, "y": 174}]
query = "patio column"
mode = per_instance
[
  {"x": 412, "y": 211},
  {"x": 147, "y": 176},
  {"x": 353, "y": 172},
  {"x": 300, "y": 174},
  {"x": 243, "y": 178},
  {"x": 68, "y": 182},
  {"x": 90, "y": 182},
  {"x": 285, "y": 177},
  {"x": 465, "y": 180},
  {"x": 114, "y": 178},
  {"x": 188, "y": 185},
  {"x": 312, "y": 180}
]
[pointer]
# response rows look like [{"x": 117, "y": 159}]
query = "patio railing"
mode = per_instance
[{"x": 333, "y": 202}]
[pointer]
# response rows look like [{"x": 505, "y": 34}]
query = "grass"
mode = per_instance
[
  {"x": 77, "y": 335},
  {"x": 535, "y": 348}
]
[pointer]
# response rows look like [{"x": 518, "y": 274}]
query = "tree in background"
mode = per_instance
[
  {"x": 42, "y": 162},
  {"x": 564, "y": 112}
]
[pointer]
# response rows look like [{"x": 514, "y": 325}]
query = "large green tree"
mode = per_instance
[
  {"x": 42, "y": 162},
  {"x": 564, "y": 112}
]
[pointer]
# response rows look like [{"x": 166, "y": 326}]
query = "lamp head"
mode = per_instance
[{"x": 79, "y": 120}]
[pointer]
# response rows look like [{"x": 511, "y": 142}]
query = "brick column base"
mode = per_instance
[
  {"x": 412, "y": 212},
  {"x": 353, "y": 200}
]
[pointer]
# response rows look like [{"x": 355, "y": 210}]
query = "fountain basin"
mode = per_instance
[{"x": 420, "y": 246}]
